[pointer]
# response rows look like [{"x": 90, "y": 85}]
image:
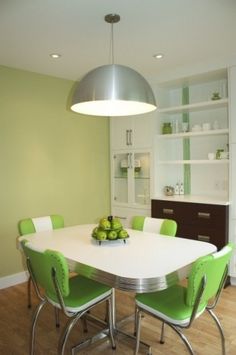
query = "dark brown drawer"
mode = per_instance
[
  {"x": 191, "y": 213},
  {"x": 198, "y": 221},
  {"x": 210, "y": 235}
]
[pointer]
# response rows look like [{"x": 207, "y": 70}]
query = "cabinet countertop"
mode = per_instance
[{"x": 213, "y": 200}]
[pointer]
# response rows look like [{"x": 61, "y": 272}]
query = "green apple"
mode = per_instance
[
  {"x": 101, "y": 235},
  {"x": 112, "y": 235},
  {"x": 104, "y": 224},
  {"x": 95, "y": 232},
  {"x": 123, "y": 234},
  {"x": 116, "y": 224}
]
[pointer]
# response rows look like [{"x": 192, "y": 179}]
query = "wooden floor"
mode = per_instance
[{"x": 15, "y": 319}]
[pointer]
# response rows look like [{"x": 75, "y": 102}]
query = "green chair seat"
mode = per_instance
[
  {"x": 161, "y": 304},
  {"x": 178, "y": 305},
  {"x": 83, "y": 293},
  {"x": 75, "y": 296}
]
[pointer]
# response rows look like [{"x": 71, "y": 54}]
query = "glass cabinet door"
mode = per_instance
[
  {"x": 141, "y": 167},
  {"x": 121, "y": 164}
]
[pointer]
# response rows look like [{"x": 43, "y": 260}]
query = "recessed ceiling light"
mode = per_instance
[
  {"x": 55, "y": 55},
  {"x": 158, "y": 56}
]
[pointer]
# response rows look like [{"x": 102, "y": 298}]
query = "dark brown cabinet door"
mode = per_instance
[{"x": 205, "y": 222}]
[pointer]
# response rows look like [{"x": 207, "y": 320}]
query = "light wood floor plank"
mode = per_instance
[{"x": 15, "y": 321}]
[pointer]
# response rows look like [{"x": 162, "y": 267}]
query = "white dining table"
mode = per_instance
[{"x": 145, "y": 262}]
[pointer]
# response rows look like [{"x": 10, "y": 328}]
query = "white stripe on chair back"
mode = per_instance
[
  {"x": 42, "y": 223},
  {"x": 152, "y": 225}
]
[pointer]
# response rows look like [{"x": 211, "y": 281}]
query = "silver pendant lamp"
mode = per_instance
[{"x": 113, "y": 90}]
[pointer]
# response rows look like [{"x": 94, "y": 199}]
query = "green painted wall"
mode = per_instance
[{"x": 51, "y": 160}]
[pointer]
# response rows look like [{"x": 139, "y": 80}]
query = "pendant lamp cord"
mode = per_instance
[
  {"x": 112, "y": 44},
  {"x": 111, "y": 19},
  {"x": 111, "y": 55}
]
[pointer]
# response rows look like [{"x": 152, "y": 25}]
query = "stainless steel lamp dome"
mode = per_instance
[{"x": 113, "y": 90}]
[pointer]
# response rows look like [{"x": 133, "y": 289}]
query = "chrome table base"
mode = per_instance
[{"x": 105, "y": 332}]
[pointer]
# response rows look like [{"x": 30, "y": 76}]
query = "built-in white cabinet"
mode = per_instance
[
  {"x": 133, "y": 132},
  {"x": 200, "y": 128},
  {"x": 126, "y": 214},
  {"x": 232, "y": 107},
  {"x": 131, "y": 141},
  {"x": 131, "y": 178},
  {"x": 232, "y": 184}
]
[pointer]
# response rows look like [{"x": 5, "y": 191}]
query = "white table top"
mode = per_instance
[{"x": 146, "y": 262}]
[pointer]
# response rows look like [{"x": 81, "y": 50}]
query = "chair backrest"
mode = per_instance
[
  {"x": 39, "y": 224},
  {"x": 214, "y": 267},
  {"x": 166, "y": 227},
  {"x": 40, "y": 266}
]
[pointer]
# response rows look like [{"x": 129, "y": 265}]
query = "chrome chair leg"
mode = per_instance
[
  {"x": 29, "y": 291},
  {"x": 70, "y": 325},
  {"x": 34, "y": 321},
  {"x": 57, "y": 317},
  {"x": 162, "y": 341},
  {"x": 183, "y": 337},
  {"x": 84, "y": 323},
  {"x": 220, "y": 329},
  {"x": 110, "y": 318}
]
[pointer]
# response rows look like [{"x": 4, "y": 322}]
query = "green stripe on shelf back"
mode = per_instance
[{"x": 186, "y": 144}]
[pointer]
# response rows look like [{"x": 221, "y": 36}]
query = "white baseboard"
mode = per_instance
[
  {"x": 14, "y": 279},
  {"x": 233, "y": 281}
]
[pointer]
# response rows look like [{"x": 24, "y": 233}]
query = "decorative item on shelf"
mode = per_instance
[
  {"x": 185, "y": 127},
  {"x": 177, "y": 189},
  {"x": 137, "y": 165},
  {"x": 218, "y": 153},
  {"x": 196, "y": 128},
  {"x": 167, "y": 128},
  {"x": 124, "y": 166},
  {"x": 175, "y": 125},
  {"x": 216, "y": 96},
  {"x": 169, "y": 190},
  {"x": 206, "y": 126},
  {"x": 211, "y": 156},
  {"x": 181, "y": 189},
  {"x": 216, "y": 125},
  {"x": 224, "y": 155}
]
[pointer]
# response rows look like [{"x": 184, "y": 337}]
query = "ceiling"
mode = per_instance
[{"x": 187, "y": 32}]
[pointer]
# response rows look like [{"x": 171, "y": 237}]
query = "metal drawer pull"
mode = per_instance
[
  {"x": 120, "y": 217},
  {"x": 168, "y": 211},
  {"x": 203, "y": 238},
  {"x": 204, "y": 215}
]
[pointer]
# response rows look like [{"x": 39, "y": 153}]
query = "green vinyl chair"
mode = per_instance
[
  {"x": 39, "y": 224},
  {"x": 166, "y": 227},
  {"x": 74, "y": 296},
  {"x": 178, "y": 306}
]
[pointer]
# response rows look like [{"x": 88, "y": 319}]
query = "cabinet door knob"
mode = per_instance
[
  {"x": 203, "y": 238},
  {"x": 168, "y": 211},
  {"x": 120, "y": 217},
  {"x": 205, "y": 215}
]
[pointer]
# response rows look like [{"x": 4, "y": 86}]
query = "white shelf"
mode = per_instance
[
  {"x": 199, "y": 106},
  {"x": 199, "y": 161},
  {"x": 194, "y": 134}
]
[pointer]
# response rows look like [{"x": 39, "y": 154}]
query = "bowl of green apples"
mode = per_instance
[{"x": 109, "y": 229}]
